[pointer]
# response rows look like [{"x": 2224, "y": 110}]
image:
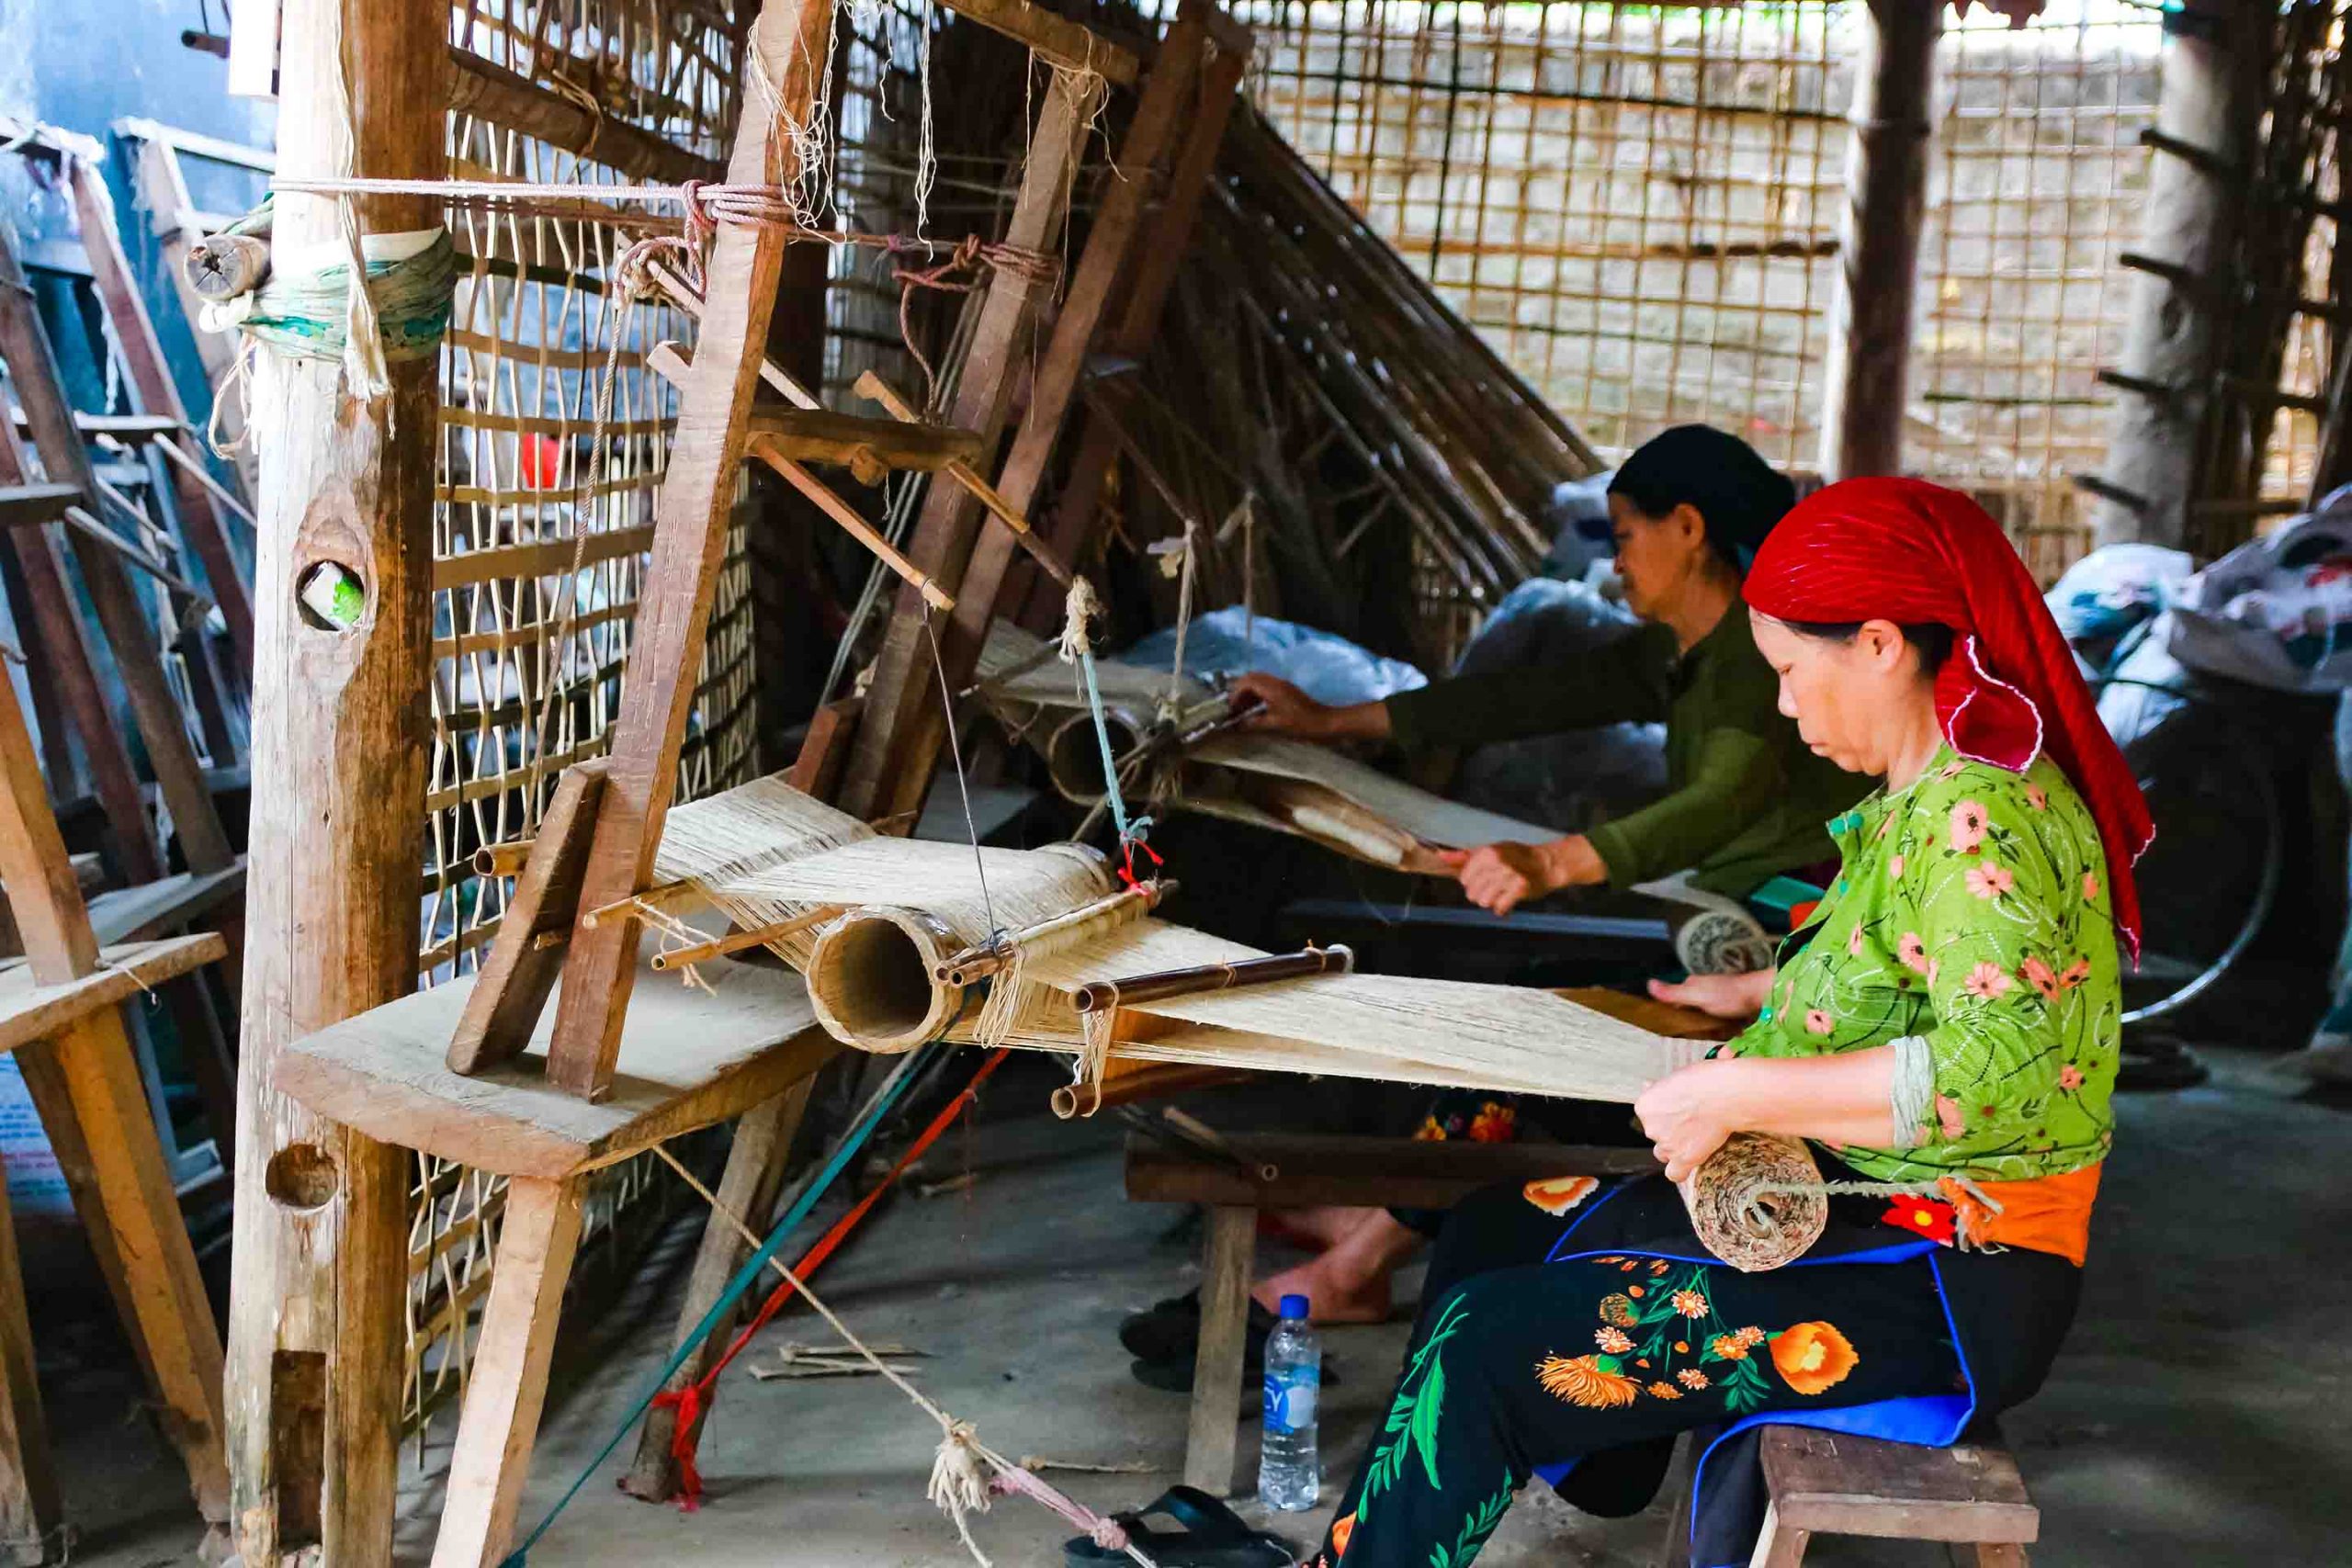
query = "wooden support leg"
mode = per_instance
[
  {"x": 1989, "y": 1554},
  {"x": 30, "y": 1510},
  {"x": 1778, "y": 1545},
  {"x": 86, "y": 1079},
  {"x": 501, "y": 1420},
  {"x": 1226, "y": 1264},
  {"x": 1675, "y": 1551},
  {"x": 748, "y": 1187}
]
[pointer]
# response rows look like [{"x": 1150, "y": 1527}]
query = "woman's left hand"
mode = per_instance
[{"x": 1688, "y": 1114}]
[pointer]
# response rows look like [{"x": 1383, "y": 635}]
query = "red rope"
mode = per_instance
[{"x": 690, "y": 1401}]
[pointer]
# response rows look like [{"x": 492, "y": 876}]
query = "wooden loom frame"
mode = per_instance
[{"x": 362, "y": 1090}]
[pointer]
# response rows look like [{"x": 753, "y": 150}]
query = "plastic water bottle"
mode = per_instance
[{"x": 1288, "y": 1475}]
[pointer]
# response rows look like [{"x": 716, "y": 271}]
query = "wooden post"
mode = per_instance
[
  {"x": 199, "y": 516},
  {"x": 689, "y": 542},
  {"x": 1216, "y": 1366},
  {"x": 901, "y": 731},
  {"x": 748, "y": 1189},
  {"x": 492, "y": 1456},
  {"x": 2208, "y": 105},
  {"x": 339, "y": 748},
  {"x": 1862, "y": 407}
]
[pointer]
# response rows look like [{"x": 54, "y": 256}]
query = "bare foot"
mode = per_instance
[
  {"x": 1333, "y": 1296},
  {"x": 1324, "y": 1224}
]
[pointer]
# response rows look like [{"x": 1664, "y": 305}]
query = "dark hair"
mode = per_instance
[
  {"x": 1932, "y": 638},
  {"x": 1737, "y": 492}
]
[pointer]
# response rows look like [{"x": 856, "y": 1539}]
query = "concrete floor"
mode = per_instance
[{"x": 2197, "y": 1416}]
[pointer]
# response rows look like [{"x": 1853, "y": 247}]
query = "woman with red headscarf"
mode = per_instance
[{"x": 1945, "y": 1025}]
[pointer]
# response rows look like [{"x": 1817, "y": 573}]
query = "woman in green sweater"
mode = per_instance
[{"x": 1745, "y": 799}]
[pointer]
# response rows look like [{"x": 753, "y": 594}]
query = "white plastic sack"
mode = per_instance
[{"x": 2277, "y": 612}]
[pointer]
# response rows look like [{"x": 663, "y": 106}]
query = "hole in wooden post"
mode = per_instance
[
  {"x": 302, "y": 1176},
  {"x": 331, "y": 597},
  {"x": 297, "y": 1443}
]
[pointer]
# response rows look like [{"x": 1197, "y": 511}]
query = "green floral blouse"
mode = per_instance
[{"x": 1971, "y": 913}]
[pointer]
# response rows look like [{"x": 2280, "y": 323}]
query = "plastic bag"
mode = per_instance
[
  {"x": 1577, "y": 518},
  {"x": 1324, "y": 665},
  {"x": 2112, "y": 591},
  {"x": 2276, "y": 612}
]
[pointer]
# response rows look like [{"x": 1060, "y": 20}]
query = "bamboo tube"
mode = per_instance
[
  {"x": 502, "y": 860},
  {"x": 720, "y": 947},
  {"x": 1102, "y": 996}
]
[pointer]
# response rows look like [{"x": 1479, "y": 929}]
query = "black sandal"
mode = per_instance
[{"x": 1212, "y": 1536}]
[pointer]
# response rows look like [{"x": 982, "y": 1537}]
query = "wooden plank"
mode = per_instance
[
  {"x": 23, "y": 505},
  {"x": 516, "y": 978},
  {"x": 29, "y": 1011},
  {"x": 694, "y": 1059},
  {"x": 1212, "y": 1431},
  {"x": 1162, "y": 254},
  {"x": 1056, "y": 40},
  {"x": 785, "y": 45},
  {"x": 950, "y": 518},
  {"x": 1886, "y": 202},
  {"x": 517, "y": 103},
  {"x": 1402, "y": 1173},
  {"x": 747, "y": 1189},
  {"x": 904, "y": 727},
  {"x": 202, "y": 524},
  {"x": 1779, "y": 1544},
  {"x": 508, "y": 1378},
  {"x": 85, "y": 1085},
  {"x": 848, "y": 519},
  {"x": 32, "y": 367},
  {"x": 166, "y": 906},
  {"x": 1838, "y": 1483},
  {"x": 338, "y": 757}
]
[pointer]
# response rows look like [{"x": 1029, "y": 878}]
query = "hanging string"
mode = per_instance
[
  {"x": 963, "y": 787},
  {"x": 1077, "y": 647}
]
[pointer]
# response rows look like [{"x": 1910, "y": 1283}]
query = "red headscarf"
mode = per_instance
[{"x": 1913, "y": 553}]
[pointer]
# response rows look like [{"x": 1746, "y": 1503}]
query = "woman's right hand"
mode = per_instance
[
  {"x": 1275, "y": 705},
  {"x": 1737, "y": 996}
]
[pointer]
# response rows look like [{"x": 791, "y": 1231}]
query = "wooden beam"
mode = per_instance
[
  {"x": 2212, "y": 84},
  {"x": 517, "y": 976},
  {"x": 872, "y": 387},
  {"x": 1000, "y": 349},
  {"x": 32, "y": 505},
  {"x": 904, "y": 727},
  {"x": 847, "y": 440},
  {"x": 852, "y": 522},
  {"x": 1886, "y": 201},
  {"x": 1130, "y": 336},
  {"x": 517, "y": 103},
  {"x": 30, "y": 1011},
  {"x": 1055, "y": 39},
  {"x": 84, "y": 1083},
  {"x": 785, "y": 43},
  {"x": 507, "y": 1380},
  {"x": 321, "y": 1246},
  {"x": 201, "y": 524},
  {"x": 32, "y": 1511}
]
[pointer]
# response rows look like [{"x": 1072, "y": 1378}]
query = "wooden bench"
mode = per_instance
[
  {"x": 1310, "y": 1171},
  {"x": 1821, "y": 1482}
]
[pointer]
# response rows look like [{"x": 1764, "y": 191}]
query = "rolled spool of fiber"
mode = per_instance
[{"x": 1759, "y": 1201}]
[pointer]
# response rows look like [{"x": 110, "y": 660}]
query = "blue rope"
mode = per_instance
[
  {"x": 744, "y": 1279},
  {"x": 1128, "y": 834}
]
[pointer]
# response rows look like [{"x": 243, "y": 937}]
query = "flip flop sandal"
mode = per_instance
[
  {"x": 1170, "y": 1330},
  {"x": 1210, "y": 1536}
]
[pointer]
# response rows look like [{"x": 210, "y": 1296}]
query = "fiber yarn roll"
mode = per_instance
[{"x": 1759, "y": 1201}]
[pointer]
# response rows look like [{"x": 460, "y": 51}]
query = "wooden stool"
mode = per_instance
[
  {"x": 1835, "y": 1484},
  {"x": 1308, "y": 1171}
]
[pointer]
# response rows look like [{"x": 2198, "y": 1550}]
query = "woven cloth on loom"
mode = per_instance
[{"x": 765, "y": 853}]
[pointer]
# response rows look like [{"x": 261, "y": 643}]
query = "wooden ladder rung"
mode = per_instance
[{"x": 30, "y": 507}]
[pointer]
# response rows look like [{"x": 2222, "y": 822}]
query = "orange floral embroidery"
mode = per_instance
[
  {"x": 1341, "y": 1530},
  {"x": 1729, "y": 1346},
  {"x": 1613, "y": 1340},
  {"x": 1813, "y": 1356},
  {"x": 1690, "y": 1304},
  {"x": 1691, "y": 1378},
  {"x": 1581, "y": 1380},
  {"x": 1664, "y": 1391},
  {"x": 1558, "y": 1194},
  {"x": 1619, "y": 1310}
]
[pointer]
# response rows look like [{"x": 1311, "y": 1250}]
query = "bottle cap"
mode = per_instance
[{"x": 1294, "y": 1308}]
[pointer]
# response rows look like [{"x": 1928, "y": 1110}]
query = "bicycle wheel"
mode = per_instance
[{"x": 2208, "y": 882}]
